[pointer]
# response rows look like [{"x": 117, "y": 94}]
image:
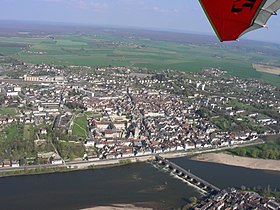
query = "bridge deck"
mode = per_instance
[{"x": 188, "y": 173}]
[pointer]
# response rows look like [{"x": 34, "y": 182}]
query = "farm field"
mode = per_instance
[
  {"x": 111, "y": 50},
  {"x": 267, "y": 69}
]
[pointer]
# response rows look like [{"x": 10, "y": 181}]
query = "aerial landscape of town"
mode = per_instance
[
  {"x": 125, "y": 118},
  {"x": 69, "y": 117},
  {"x": 119, "y": 111}
]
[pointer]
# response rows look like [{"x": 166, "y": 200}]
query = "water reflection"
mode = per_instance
[
  {"x": 127, "y": 184},
  {"x": 140, "y": 182}
]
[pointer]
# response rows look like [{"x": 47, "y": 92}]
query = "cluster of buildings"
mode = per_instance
[
  {"x": 44, "y": 78},
  {"x": 10, "y": 90},
  {"x": 144, "y": 122},
  {"x": 133, "y": 111},
  {"x": 233, "y": 199}
]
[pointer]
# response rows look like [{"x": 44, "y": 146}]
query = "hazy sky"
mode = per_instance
[{"x": 179, "y": 15}]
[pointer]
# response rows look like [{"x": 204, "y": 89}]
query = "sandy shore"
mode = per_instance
[
  {"x": 239, "y": 161},
  {"x": 118, "y": 207}
]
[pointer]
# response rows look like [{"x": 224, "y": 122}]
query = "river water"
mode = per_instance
[
  {"x": 139, "y": 183},
  {"x": 224, "y": 176}
]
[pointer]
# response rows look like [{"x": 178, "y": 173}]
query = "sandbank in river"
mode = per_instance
[{"x": 253, "y": 163}]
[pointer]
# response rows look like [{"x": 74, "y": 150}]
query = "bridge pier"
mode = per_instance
[{"x": 181, "y": 173}]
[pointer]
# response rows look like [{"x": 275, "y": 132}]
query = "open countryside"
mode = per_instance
[{"x": 155, "y": 53}]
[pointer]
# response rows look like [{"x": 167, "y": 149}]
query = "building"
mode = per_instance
[
  {"x": 30, "y": 78},
  {"x": 9, "y": 92}
]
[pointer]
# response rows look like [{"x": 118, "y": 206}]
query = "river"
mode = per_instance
[
  {"x": 224, "y": 176},
  {"x": 139, "y": 183}
]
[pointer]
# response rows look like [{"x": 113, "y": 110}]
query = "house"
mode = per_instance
[
  {"x": 273, "y": 205},
  {"x": 6, "y": 163},
  {"x": 89, "y": 143},
  {"x": 56, "y": 160},
  {"x": 198, "y": 144},
  {"x": 9, "y": 92},
  {"x": 264, "y": 120},
  {"x": 17, "y": 89},
  {"x": 108, "y": 133},
  {"x": 189, "y": 145},
  {"x": 240, "y": 111},
  {"x": 120, "y": 125},
  {"x": 225, "y": 143},
  {"x": 43, "y": 131},
  {"x": 15, "y": 164},
  {"x": 10, "y": 120}
]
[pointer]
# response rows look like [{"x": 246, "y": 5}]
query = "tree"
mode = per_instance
[
  {"x": 272, "y": 155},
  {"x": 193, "y": 199},
  {"x": 265, "y": 154},
  {"x": 255, "y": 153},
  {"x": 243, "y": 188},
  {"x": 241, "y": 151}
]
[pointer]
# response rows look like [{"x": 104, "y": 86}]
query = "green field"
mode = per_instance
[
  {"x": 79, "y": 127},
  {"x": 29, "y": 132},
  {"x": 4, "y": 111},
  {"x": 107, "y": 50},
  {"x": 70, "y": 150},
  {"x": 16, "y": 142},
  {"x": 11, "y": 133}
]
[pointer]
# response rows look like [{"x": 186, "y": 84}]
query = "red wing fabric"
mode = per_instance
[{"x": 230, "y": 18}]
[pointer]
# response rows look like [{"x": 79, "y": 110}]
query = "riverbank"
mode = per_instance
[
  {"x": 82, "y": 165},
  {"x": 221, "y": 158},
  {"x": 95, "y": 164},
  {"x": 69, "y": 168},
  {"x": 108, "y": 162},
  {"x": 137, "y": 206},
  {"x": 118, "y": 207},
  {"x": 232, "y": 160}
]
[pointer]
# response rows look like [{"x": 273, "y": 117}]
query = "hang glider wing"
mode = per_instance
[{"x": 233, "y": 18}]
